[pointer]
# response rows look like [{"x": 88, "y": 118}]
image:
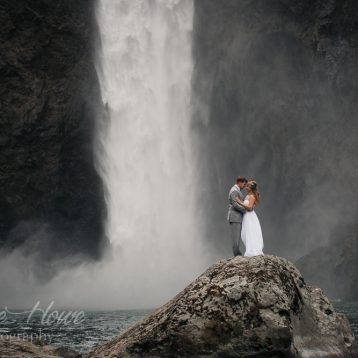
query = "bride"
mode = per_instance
[{"x": 251, "y": 233}]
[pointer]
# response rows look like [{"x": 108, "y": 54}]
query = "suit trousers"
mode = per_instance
[{"x": 235, "y": 235}]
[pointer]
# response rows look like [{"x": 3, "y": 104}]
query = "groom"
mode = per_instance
[{"x": 235, "y": 214}]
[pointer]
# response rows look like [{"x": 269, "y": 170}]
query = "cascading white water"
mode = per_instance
[
  {"x": 145, "y": 68},
  {"x": 145, "y": 159}
]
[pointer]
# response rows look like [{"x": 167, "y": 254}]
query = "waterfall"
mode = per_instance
[{"x": 145, "y": 67}]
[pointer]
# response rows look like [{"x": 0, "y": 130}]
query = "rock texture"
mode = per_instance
[
  {"x": 275, "y": 97},
  {"x": 51, "y": 198},
  {"x": 18, "y": 348},
  {"x": 241, "y": 307}
]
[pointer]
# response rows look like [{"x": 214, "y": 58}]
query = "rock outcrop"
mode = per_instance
[
  {"x": 240, "y": 307},
  {"x": 51, "y": 197}
]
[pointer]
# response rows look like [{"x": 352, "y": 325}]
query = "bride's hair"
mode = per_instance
[{"x": 253, "y": 185}]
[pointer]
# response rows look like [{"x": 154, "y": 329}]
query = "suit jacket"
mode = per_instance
[{"x": 236, "y": 211}]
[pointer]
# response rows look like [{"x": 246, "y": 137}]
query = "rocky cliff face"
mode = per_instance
[
  {"x": 51, "y": 198},
  {"x": 334, "y": 267},
  {"x": 241, "y": 307},
  {"x": 275, "y": 96}
]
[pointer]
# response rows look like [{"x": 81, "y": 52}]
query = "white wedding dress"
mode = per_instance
[{"x": 251, "y": 233}]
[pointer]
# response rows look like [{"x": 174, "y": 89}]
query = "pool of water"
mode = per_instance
[
  {"x": 82, "y": 335},
  {"x": 350, "y": 309}
]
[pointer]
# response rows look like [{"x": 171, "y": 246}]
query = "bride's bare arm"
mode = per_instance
[{"x": 251, "y": 203}]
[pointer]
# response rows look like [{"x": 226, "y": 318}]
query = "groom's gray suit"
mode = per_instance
[{"x": 234, "y": 217}]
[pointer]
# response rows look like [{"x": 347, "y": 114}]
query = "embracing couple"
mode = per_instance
[{"x": 242, "y": 218}]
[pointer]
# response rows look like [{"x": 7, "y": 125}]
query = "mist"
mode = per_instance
[
  {"x": 144, "y": 156},
  {"x": 269, "y": 106},
  {"x": 192, "y": 95},
  {"x": 102, "y": 285}
]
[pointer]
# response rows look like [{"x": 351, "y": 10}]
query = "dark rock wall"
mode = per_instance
[
  {"x": 334, "y": 267},
  {"x": 51, "y": 198},
  {"x": 275, "y": 98}
]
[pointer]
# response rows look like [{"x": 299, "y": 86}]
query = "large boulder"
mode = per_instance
[{"x": 240, "y": 307}]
